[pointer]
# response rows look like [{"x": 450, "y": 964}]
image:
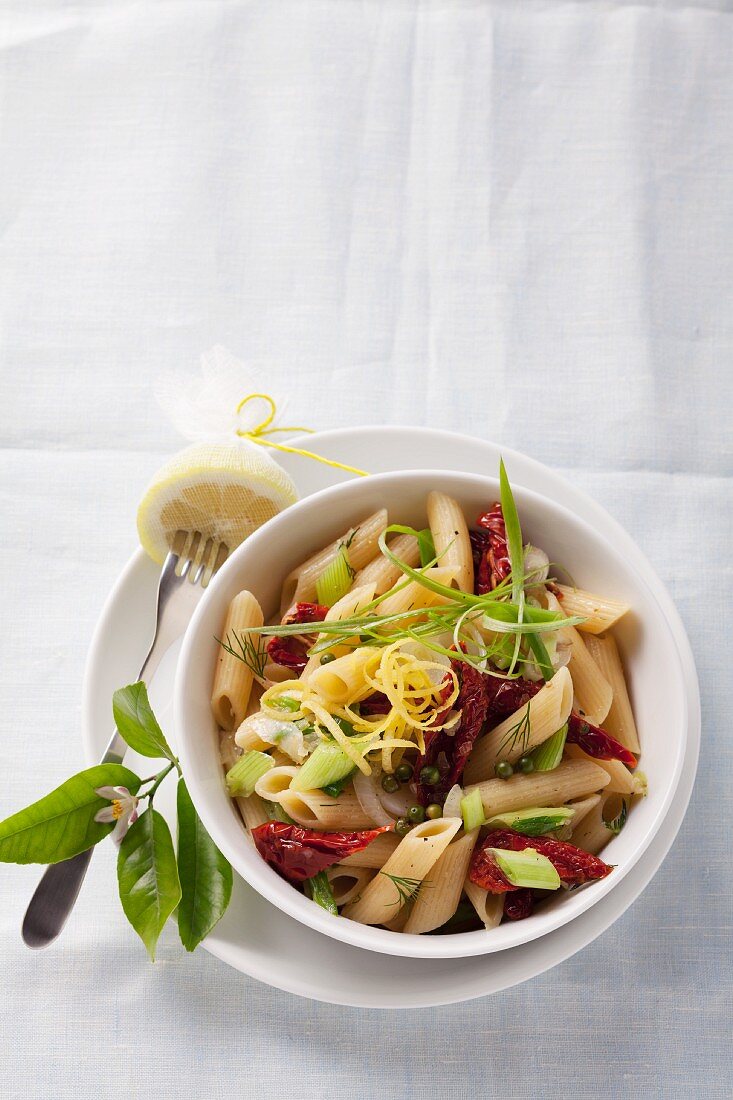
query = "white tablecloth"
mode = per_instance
[{"x": 511, "y": 219}]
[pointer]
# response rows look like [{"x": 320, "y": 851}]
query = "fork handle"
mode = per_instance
[{"x": 54, "y": 899}]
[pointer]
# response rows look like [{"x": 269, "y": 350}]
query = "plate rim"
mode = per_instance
[{"x": 571, "y": 496}]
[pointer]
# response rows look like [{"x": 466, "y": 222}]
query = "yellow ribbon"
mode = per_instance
[{"x": 260, "y": 431}]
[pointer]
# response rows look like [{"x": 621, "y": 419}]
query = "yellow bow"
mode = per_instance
[{"x": 260, "y": 431}]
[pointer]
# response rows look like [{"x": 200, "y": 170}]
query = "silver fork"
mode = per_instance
[{"x": 187, "y": 570}]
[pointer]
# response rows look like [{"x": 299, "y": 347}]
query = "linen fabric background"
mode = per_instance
[{"x": 510, "y": 219}]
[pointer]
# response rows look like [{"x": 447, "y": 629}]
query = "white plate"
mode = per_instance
[{"x": 257, "y": 938}]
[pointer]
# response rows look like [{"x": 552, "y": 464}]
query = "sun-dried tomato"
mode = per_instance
[
  {"x": 298, "y": 854},
  {"x": 596, "y": 742},
  {"x": 519, "y": 905},
  {"x": 306, "y": 613},
  {"x": 288, "y": 652},
  {"x": 455, "y": 745},
  {"x": 494, "y": 565},
  {"x": 573, "y": 865},
  {"x": 375, "y": 704}
]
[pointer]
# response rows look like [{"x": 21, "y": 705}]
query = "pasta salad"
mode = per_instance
[{"x": 434, "y": 735}]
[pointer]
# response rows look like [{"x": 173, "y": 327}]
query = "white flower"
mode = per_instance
[{"x": 122, "y": 810}]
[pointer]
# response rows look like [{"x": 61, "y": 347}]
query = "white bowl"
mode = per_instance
[{"x": 260, "y": 564}]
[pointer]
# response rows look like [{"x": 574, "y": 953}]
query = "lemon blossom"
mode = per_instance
[{"x": 122, "y": 810}]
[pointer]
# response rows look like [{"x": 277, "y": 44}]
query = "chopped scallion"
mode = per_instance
[
  {"x": 549, "y": 754},
  {"x": 326, "y": 764},
  {"x": 335, "y": 580},
  {"x": 319, "y": 890},
  {"x": 426, "y": 546},
  {"x": 242, "y": 776},
  {"x": 472, "y": 810},
  {"x": 534, "y": 821},
  {"x": 528, "y": 868}
]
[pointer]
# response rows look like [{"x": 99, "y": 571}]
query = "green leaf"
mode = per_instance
[
  {"x": 62, "y": 824},
  {"x": 136, "y": 722},
  {"x": 206, "y": 876},
  {"x": 147, "y": 877}
]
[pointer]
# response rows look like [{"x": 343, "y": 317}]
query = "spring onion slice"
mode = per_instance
[
  {"x": 319, "y": 890},
  {"x": 549, "y": 754},
  {"x": 534, "y": 821},
  {"x": 242, "y": 776},
  {"x": 426, "y": 546},
  {"x": 472, "y": 810},
  {"x": 335, "y": 580},
  {"x": 516, "y": 551},
  {"x": 328, "y": 763},
  {"x": 528, "y": 868}
]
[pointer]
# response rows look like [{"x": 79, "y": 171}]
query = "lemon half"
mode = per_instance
[{"x": 224, "y": 490}]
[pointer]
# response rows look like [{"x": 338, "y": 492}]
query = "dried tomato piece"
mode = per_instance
[
  {"x": 573, "y": 865},
  {"x": 306, "y": 613},
  {"x": 480, "y": 546},
  {"x": 287, "y": 652},
  {"x": 375, "y": 704},
  {"x": 519, "y": 905},
  {"x": 496, "y": 554},
  {"x": 485, "y": 872},
  {"x": 455, "y": 744},
  {"x": 596, "y": 742},
  {"x": 298, "y": 854}
]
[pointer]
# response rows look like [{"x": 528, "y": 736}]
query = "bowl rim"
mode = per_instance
[{"x": 265, "y": 880}]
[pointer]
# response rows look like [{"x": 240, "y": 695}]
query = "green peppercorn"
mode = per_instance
[
  {"x": 416, "y": 814},
  {"x": 327, "y": 658},
  {"x": 429, "y": 775},
  {"x": 404, "y": 772},
  {"x": 526, "y": 764},
  {"x": 434, "y": 810},
  {"x": 390, "y": 784},
  {"x": 402, "y": 826},
  {"x": 504, "y": 769}
]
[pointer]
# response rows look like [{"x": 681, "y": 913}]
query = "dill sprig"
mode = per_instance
[
  {"x": 407, "y": 888},
  {"x": 518, "y": 734},
  {"x": 247, "y": 650}
]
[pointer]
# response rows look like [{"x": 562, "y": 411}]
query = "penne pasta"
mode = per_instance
[
  {"x": 414, "y": 596},
  {"x": 528, "y": 727},
  {"x": 619, "y": 777},
  {"x": 450, "y": 537},
  {"x": 619, "y": 721},
  {"x": 402, "y": 875},
  {"x": 347, "y": 882},
  {"x": 571, "y": 779},
  {"x": 593, "y": 833},
  {"x": 312, "y": 809},
  {"x": 362, "y": 542},
  {"x": 343, "y": 679},
  {"x": 489, "y": 907},
  {"x": 599, "y": 612},
  {"x": 350, "y": 604},
  {"x": 233, "y": 678},
  {"x": 592, "y": 690},
  {"x": 380, "y": 571},
  {"x": 441, "y": 890},
  {"x": 375, "y": 855}
]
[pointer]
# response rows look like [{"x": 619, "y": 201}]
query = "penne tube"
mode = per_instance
[
  {"x": 619, "y": 721},
  {"x": 347, "y": 882},
  {"x": 233, "y": 678},
  {"x": 489, "y": 907},
  {"x": 362, "y": 543},
  {"x": 381, "y": 572},
  {"x": 441, "y": 890},
  {"x": 399, "y": 920},
  {"x": 599, "y": 612},
  {"x": 313, "y": 809},
  {"x": 619, "y": 777},
  {"x": 571, "y": 779},
  {"x": 375, "y": 855},
  {"x": 592, "y": 690},
  {"x": 343, "y": 680},
  {"x": 415, "y": 596},
  {"x": 402, "y": 875},
  {"x": 450, "y": 537},
  {"x": 592, "y": 832},
  {"x": 350, "y": 604},
  {"x": 529, "y": 726}
]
